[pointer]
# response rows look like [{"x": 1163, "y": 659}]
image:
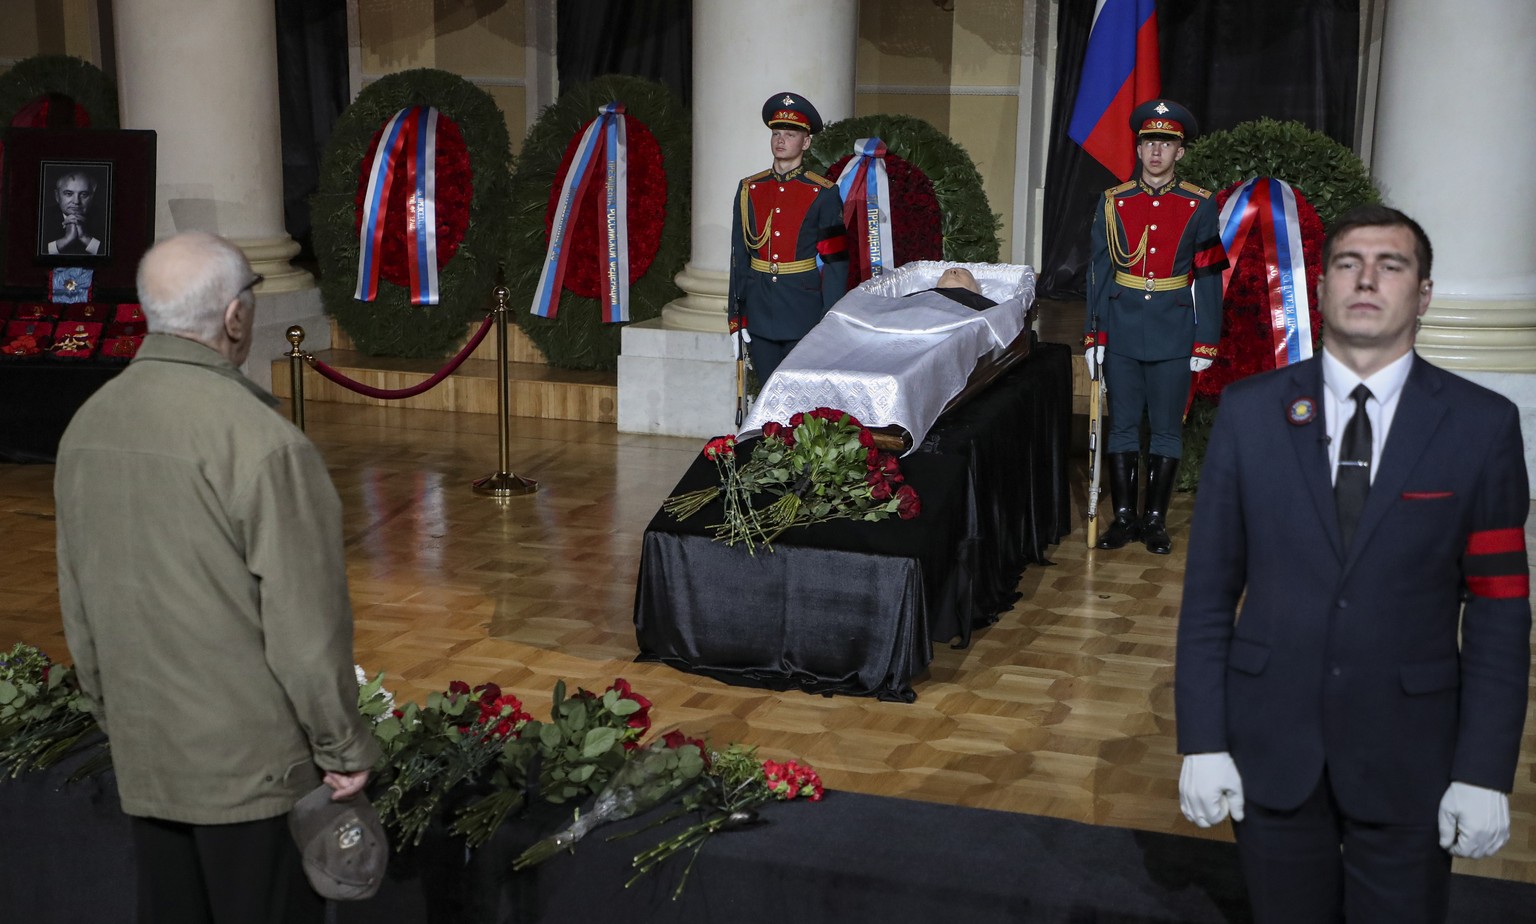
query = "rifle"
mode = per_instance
[
  {"x": 741, "y": 377},
  {"x": 1096, "y": 398},
  {"x": 1097, "y": 395}
]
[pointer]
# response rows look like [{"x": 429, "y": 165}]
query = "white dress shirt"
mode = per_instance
[{"x": 1386, "y": 387}]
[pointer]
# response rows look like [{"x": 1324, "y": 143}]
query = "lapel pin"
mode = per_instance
[{"x": 1301, "y": 411}]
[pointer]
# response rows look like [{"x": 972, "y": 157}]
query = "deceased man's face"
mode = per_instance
[{"x": 74, "y": 195}]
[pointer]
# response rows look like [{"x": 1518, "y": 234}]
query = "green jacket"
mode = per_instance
[{"x": 204, "y": 591}]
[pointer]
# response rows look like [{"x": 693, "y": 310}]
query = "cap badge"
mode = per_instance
[
  {"x": 1161, "y": 109},
  {"x": 789, "y": 100},
  {"x": 1301, "y": 411}
]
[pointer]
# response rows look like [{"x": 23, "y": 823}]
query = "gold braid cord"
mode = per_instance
[
  {"x": 753, "y": 243},
  {"x": 1117, "y": 253}
]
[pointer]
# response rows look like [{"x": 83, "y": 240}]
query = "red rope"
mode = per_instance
[{"x": 391, "y": 394}]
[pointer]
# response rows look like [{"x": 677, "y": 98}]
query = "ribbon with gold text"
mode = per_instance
[
  {"x": 866, "y": 195},
  {"x": 1268, "y": 206},
  {"x": 603, "y": 142}
]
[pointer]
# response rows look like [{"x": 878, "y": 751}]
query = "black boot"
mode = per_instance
[
  {"x": 1161, "y": 473},
  {"x": 1122, "y": 487}
]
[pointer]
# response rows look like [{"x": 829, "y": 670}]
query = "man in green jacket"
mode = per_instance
[{"x": 204, "y": 597}]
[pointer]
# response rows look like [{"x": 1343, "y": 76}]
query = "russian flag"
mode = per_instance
[{"x": 1120, "y": 71}]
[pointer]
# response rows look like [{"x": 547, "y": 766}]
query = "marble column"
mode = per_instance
[
  {"x": 1452, "y": 148},
  {"x": 677, "y": 373},
  {"x": 203, "y": 75}
]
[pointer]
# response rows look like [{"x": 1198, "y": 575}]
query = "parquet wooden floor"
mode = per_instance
[{"x": 1063, "y": 708}]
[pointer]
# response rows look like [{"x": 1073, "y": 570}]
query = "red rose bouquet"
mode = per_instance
[{"x": 822, "y": 465}]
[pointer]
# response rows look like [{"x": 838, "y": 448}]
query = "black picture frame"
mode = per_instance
[
  {"x": 71, "y": 188},
  {"x": 121, "y": 214}
]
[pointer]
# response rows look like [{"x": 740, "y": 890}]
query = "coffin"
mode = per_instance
[{"x": 897, "y": 357}]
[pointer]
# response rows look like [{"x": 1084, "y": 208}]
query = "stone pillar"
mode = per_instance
[
  {"x": 203, "y": 75},
  {"x": 677, "y": 374},
  {"x": 1452, "y": 149}
]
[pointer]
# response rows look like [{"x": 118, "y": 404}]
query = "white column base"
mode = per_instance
[
  {"x": 275, "y": 313},
  {"x": 1519, "y": 387},
  {"x": 702, "y": 306},
  {"x": 1493, "y": 334},
  {"x": 269, "y": 256},
  {"x": 676, "y": 382}
]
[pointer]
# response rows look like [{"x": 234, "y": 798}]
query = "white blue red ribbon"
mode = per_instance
[
  {"x": 407, "y": 152},
  {"x": 605, "y": 142},
  {"x": 866, "y": 192},
  {"x": 1268, "y": 205}
]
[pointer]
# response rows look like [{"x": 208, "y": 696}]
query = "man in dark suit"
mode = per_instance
[
  {"x": 789, "y": 249},
  {"x": 1154, "y": 315},
  {"x": 1361, "y": 719}
]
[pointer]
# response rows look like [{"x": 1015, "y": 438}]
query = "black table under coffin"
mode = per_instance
[{"x": 855, "y": 608}]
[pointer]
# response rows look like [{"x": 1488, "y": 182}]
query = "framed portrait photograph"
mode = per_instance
[
  {"x": 74, "y": 214},
  {"x": 81, "y": 198}
]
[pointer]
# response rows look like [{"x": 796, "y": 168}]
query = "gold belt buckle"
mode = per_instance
[{"x": 1150, "y": 284}]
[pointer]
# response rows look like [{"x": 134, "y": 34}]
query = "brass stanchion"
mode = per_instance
[
  {"x": 503, "y": 483},
  {"x": 296, "y": 358}
]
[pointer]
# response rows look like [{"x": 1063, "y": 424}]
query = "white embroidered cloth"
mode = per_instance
[{"x": 890, "y": 358}]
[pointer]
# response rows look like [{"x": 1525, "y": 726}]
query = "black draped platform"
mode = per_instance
[
  {"x": 855, "y": 608},
  {"x": 37, "y": 400},
  {"x": 67, "y": 857}
]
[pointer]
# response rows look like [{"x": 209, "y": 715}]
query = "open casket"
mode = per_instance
[{"x": 896, "y": 357}]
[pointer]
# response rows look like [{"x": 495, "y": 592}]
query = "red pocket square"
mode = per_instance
[{"x": 1425, "y": 495}]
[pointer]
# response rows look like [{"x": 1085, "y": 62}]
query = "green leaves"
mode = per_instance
[{"x": 1329, "y": 174}]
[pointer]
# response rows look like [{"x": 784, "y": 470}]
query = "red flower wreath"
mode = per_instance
[
  {"x": 455, "y": 189},
  {"x": 916, "y": 222},
  {"x": 646, "y": 209},
  {"x": 1247, "y": 344}
]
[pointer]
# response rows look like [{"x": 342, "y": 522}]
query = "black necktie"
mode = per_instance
[{"x": 1353, "y": 481}]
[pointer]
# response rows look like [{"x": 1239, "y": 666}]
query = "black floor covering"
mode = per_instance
[{"x": 66, "y": 857}]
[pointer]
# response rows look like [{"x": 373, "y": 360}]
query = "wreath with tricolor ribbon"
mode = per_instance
[
  {"x": 406, "y": 264},
  {"x": 938, "y": 207},
  {"x": 573, "y": 323}
]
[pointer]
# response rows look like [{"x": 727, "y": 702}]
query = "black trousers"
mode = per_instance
[
  {"x": 246, "y": 873},
  {"x": 1315, "y": 865}
]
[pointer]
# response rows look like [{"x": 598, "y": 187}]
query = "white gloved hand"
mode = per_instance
[
  {"x": 1199, "y": 364},
  {"x": 1210, "y": 788},
  {"x": 1095, "y": 357},
  {"x": 1474, "y": 822}
]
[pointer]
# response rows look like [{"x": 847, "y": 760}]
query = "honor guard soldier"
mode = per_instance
[
  {"x": 789, "y": 250},
  {"x": 1154, "y": 315}
]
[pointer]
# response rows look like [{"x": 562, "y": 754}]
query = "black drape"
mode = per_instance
[
  {"x": 640, "y": 38},
  {"x": 1229, "y": 62},
  {"x": 312, "y": 89}
]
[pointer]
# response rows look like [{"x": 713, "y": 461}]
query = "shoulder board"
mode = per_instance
[
  {"x": 754, "y": 177},
  {"x": 1189, "y": 187},
  {"x": 818, "y": 179},
  {"x": 1125, "y": 187}
]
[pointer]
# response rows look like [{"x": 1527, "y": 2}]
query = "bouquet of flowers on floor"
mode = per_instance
[
  {"x": 724, "y": 789},
  {"x": 822, "y": 465},
  {"x": 429, "y": 750},
  {"x": 727, "y": 799},
  {"x": 43, "y": 714},
  {"x": 467, "y": 753}
]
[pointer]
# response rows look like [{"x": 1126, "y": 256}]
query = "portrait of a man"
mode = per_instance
[{"x": 75, "y": 209}]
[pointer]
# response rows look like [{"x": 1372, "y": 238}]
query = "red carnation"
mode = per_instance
[{"x": 720, "y": 446}]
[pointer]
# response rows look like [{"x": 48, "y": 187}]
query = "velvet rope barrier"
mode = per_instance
[{"x": 392, "y": 394}]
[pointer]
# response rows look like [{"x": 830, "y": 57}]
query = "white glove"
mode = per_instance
[
  {"x": 1095, "y": 357},
  {"x": 1474, "y": 822},
  {"x": 1209, "y": 788},
  {"x": 1199, "y": 364}
]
